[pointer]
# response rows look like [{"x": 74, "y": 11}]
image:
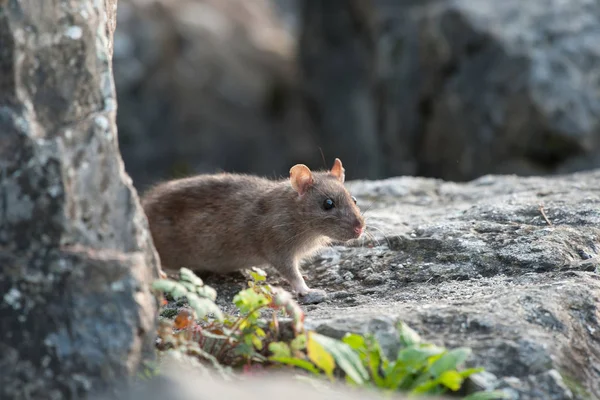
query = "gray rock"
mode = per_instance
[
  {"x": 206, "y": 85},
  {"x": 453, "y": 89},
  {"x": 337, "y": 55},
  {"x": 470, "y": 88},
  {"x": 75, "y": 254},
  {"x": 475, "y": 265}
]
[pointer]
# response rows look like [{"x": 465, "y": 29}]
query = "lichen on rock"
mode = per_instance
[{"x": 76, "y": 258}]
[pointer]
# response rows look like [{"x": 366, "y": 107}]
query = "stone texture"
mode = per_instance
[
  {"x": 477, "y": 87},
  {"x": 76, "y": 311},
  {"x": 474, "y": 265}
]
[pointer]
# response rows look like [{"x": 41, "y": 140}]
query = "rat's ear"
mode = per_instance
[
  {"x": 301, "y": 178},
  {"x": 338, "y": 170}
]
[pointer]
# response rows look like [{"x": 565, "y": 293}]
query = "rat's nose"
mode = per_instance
[{"x": 358, "y": 228}]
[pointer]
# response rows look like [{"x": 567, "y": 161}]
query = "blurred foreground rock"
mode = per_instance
[
  {"x": 474, "y": 265},
  {"x": 183, "y": 379},
  {"x": 76, "y": 259}
]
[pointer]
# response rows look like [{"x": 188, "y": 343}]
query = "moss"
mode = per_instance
[{"x": 578, "y": 390}]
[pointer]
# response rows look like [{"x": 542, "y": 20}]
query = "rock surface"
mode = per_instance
[
  {"x": 75, "y": 255},
  {"x": 474, "y": 265}
]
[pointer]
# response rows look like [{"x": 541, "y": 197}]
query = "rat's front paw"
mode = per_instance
[{"x": 313, "y": 296}]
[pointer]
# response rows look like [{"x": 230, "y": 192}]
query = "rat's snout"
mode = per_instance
[{"x": 359, "y": 227}]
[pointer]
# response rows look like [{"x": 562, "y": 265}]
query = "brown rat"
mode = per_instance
[{"x": 226, "y": 222}]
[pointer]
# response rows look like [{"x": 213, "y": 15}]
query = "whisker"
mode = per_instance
[
  {"x": 383, "y": 233},
  {"x": 377, "y": 243},
  {"x": 297, "y": 235},
  {"x": 368, "y": 208}
]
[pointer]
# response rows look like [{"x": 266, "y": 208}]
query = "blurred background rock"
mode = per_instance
[{"x": 453, "y": 89}]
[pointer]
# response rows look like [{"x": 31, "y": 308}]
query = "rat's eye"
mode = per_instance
[
  {"x": 328, "y": 204},
  {"x": 354, "y": 199}
]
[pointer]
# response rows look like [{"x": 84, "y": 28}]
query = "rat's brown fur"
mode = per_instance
[{"x": 226, "y": 222}]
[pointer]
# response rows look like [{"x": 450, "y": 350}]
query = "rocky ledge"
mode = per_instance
[{"x": 506, "y": 265}]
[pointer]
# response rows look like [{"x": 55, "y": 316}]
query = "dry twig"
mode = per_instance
[{"x": 544, "y": 215}]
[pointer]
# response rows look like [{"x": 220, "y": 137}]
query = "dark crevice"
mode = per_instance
[
  {"x": 425, "y": 110},
  {"x": 552, "y": 150},
  {"x": 7, "y": 59},
  {"x": 276, "y": 100},
  {"x": 447, "y": 71},
  {"x": 452, "y": 68}
]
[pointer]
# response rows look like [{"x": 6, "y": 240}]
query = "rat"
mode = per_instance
[{"x": 225, "y": 222}]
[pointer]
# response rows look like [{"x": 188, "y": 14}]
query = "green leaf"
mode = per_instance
[
  {"x": 407, "y": 336},
  {"x": 187, "y": 275},
  {"x": 280, "y": 349},
  {"x": 206, "y": 292},
  {"x": 415, "y": 357},
  {"x": 163, "y": 285},
  {"x": 374, "y": 359},
  {"x": 427, "y": 386},
  {"x": 203, "y": 307},
  {"x": 451, "y": 379},
  {"x": 299, "y": 343},
  {"x": 244, "y": 349},
  {"x": 319, "y": 356},
  {"x": 450, "y": 361},
  {"x": 188, "y": 286},
  {"x": 178, "y": 291},
  {"x": 297, "y": 362},
  {"x": 345, "y": 357},
  {"x": 355, "y": 341},
  {"x": 396, "y": 376},
  {"x": 248, "y": 300},
  {"x": 418, "y": 380},
  {"x": 258, "y": 274},
  {"x": 468, "y": 372},
  {"x": 495, "y": 395},
  {"x": 260, "y": 332}
]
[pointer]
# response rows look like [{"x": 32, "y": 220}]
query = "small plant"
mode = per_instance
[
  {"x": 252, "y": 341},
  {"x": 230, "y": 340},
  {"x": 199, "y": 296},
  {"x": 420, "y": 368}
]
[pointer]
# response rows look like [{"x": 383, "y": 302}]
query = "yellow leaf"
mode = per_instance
[
  {"x": 257, "y": 342},
  {"x": 260, "y": 332},
  {"x": 319, "y": 356}
]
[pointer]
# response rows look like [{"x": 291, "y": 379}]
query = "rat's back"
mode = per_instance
[{"x": 202, "y": 222}]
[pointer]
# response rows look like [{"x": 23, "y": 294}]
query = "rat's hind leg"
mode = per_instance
[{"x": 289, "y": 269}]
